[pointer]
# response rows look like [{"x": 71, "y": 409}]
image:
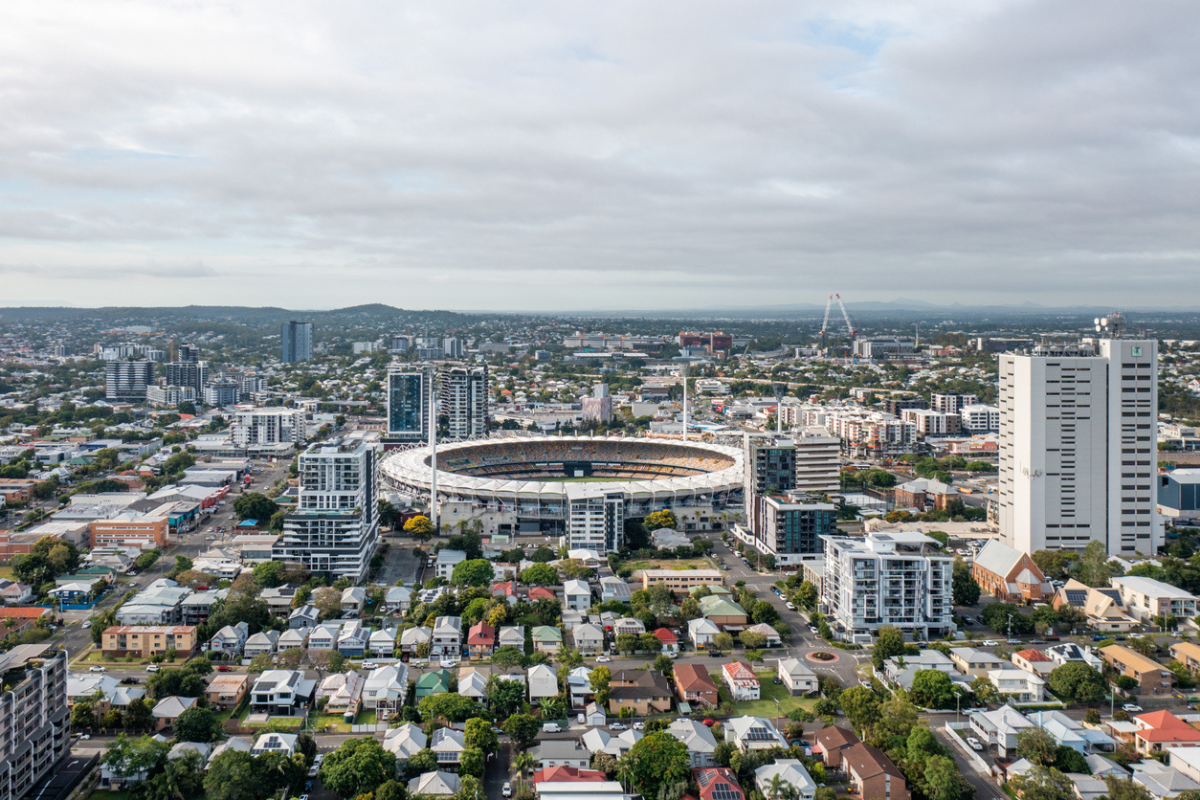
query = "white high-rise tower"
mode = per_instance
[{"x": 1077, "y": 446}]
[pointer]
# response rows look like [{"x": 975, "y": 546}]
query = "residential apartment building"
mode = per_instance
[
  {"x": 1146, "y": 598},
  {"x": 126, "y": 381},
  {"x": 596, "y": 521},
  {"x": 464, "y": 402},
  {"x": 1077, "y": 447},
  {"x": 259, "y": 426},
  {"x": 34, "y": 717},
  {"x": 296, "y": 342},
  {"x": 887, "y": 579},
  {"x": 791, "y": 528},
  {"x": 952, "y": 403},
  {"x": 189, "y": 374},
  {"x": 818, "y": 461},
  {"x": 144, "y": 641},
  {"x": 682, "y": 580},
  {"x": 408, "y": 405},
  {"x": 334, "y": 530},
  {"x": 1152, "y": 677},
  {"x": 129, "y": 528},
  {"x": 979, "y": 418},
  {"x": 870, "y": 434}
]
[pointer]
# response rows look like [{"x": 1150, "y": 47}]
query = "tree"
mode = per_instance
[
  {"x": 470, "y": 762},
  {"x": 1038, "y": 746},
  {"x": 1043, "y": 783},
  {"x": 200, "y": 665},
  {"x": 507, "y": 657},
  {"x": 196, "y": 725},
  {"x": 180, "y": 779},
  {"x": 419, "y": 528},
  {"x": 663, "y": 663},
  {"x": 523, "y": 729},
  {"x": 661, "y": 519},
  {"x": 127, "y": 757},
  {"x": 139, "y": 716},
  {"x": 1094, "y": 568},
  {"x": 723, "y": 641},
  {"x": 174, "y": 681},
  {"x": 763, "y": 612},
  {"x": 448, "y": 706},
  {"x": 1077, "y": 682},
  {"x": 82, "y": 715},
  {"x": 656, "y": 760},
  {"x": 963, "y": 586},
  {"x": 269, "y": 574},
  {"x": 944, "y": 780},
  {"x": 358, "y": 766},
  {"x": 328, "y": 601},
  {"x": 888, "y": 644},
  {"x": 599, "y": 679},
  {"x": 540, "y": 575},
  {"x": 478, "y": 734},
  {"x": 255, "y": 505},
  {"x": 984, "y": 690},
  {"x": 861, "y": 706},
  {"x": 1068, "y": 760},
  {"x": 1125, "y": 789},
  {"x": 421, "y": 762},
  {"x": 476, "y": 572},
  {"x": 505, "y": 698},
  {"x": 932, "y": 688},
  {"x": 807, "y": 595}
]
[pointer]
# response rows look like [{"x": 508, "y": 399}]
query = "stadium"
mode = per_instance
[{"x": 584, "y": 487}]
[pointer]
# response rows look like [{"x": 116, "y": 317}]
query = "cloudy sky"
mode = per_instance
[{"x": 600, "y": 155}]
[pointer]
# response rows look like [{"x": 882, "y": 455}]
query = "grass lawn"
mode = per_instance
[
  {"x": 365, "y": 718},
  {"x": 671, "y": 563},
  {"x": 768, "y": 694},
  {"x": 333, "y": 722},
  {"x": 6, "y": 572}
]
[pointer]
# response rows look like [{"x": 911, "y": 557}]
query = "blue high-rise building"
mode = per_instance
[{"x": 296, "y": 341}]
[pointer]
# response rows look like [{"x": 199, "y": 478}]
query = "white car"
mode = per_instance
[
  {"x": 97, "y": 669},
  {"x": 87, "y": 624},
  {"x": 447, "y": 663},
  {"x": 639, "y": 726},
  {"x": 153, "y": 668},
  {"x": 507, "y": 789},
  {"x": 974, "y": 743},
  {"x": 617, "y": 726},
  {"x": 990, "y": 643},
  {"x": 1131, "y": 708},
  {"x": 790, "y": 606},
  {"x": 602, "y": 659},
  {"x": 369, "y": 665}
]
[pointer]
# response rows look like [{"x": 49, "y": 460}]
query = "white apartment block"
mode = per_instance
[
  {"x": 887, "y": 579},
  {"x": 1077, "y": 447},
  {"x": 267, "y": 426},
  {"x": 979, "y": 418},
  {"x": 818, "y": 460},
  {"x": 464, "y": 401},
  {"x": 596, "y": 521},
  {"x": 952, "y": 403},
  {"x": 932, "y": 423},
  {"x": 1146, "y": 598},
  {"x": 334, "y": 530},
  {"x": 870, "y": 434},
  {"x": 33, "y": 716}
]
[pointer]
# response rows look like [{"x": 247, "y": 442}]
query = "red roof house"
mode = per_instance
[
  {"x": 481, "y": 640},
  {"x": 1159, "y": 728},
  {"x": 718, "y": 783},
  {"x": 540, "y": 592},
  {"x": 567, "y": 774},
  {"x": 507, "y": 590},
  {"x": 670, "y": 642}
]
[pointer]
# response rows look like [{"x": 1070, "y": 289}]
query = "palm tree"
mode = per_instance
[{"x": 521, "y": 763}]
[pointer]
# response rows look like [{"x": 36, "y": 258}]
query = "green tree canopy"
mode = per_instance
[
  {"x": 963, "y": 586},
  {"x": 540, "y": 575},
  {"x": 358, "y": 766},
  {"x": 1077, "y": 682},
  {"x": 196, "y": 725},
  {"x": 475, "y": 572},
  {"x": 656, "y": 760},
  {"x": 932, "y": 688}
]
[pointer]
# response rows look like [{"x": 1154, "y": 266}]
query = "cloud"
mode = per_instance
[{"x": 566, "y": 156}]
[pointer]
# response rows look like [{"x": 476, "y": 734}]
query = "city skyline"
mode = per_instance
[{"x": 550, "y": 158}]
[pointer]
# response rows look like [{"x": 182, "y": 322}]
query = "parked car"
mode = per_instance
[
  {"x": 97, "y": 669},
  {"x": 507, "y": 789},
  {"x": 369, "y": 665},
  {"x": 87, "y": 624},
  {"x": 153, "y": 668},
  {"x": 639, "y": 726},
  {"x": 551, "y": 727},
  {"x": 602, "y": 659},
  {"x": 790, "y": 605},
  {"x": 1013, "y": 641},
  {"x": 224, "y": 668},
  {"x": 1131, "y": 708},
  {"x": 974, "y": 743},
  {"x": 990, "y": 643},
  {"x": 448, "y": 663},
  {"x": 710, "y": 722},
  {"x": 618, "y": 726}
]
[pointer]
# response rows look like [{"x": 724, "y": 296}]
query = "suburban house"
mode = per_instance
[
  {"x": 354, "y": 598},
  {"x": 628, "y": 626},
  {"x": 1070, "y": 733},
  {"x": 382, "y": 642},
  {"x": 542, "y": 682},
  {"x": 999, "y": 728},
  {"x": 261, "y": 643},
  {"x": 167, "y": 710},
  {"x": 506, "y": 590},
  {"x": 644, "y": 691},
  {"x": 293, "y": 639},
  {"x": 597, "y": 740},
  {"x": 753, "y": 733},
  {"x": 614, "y": 588},
  {"x": 397, "y": 600},
  {"x": 698, "y": 739},
  {"x": 447, "y": 744},
  {"x": 831, "y": 742},
  {"x": 1146, "y": 598},
  {"x": 282, "y": 743},
  {"x": 434, "y": 784},
  {"x": 975, "y": 663},
  {"x": 226, "y": 690},
  {"x": 701, "y": 632},
  {"x": 577, "y": 595},
  {"x": 579, "y": 687},
  {"x": 1021, "y": 686},
  {"x": 791, "y": 772},
  {"x": 343, "y": 690},
  {"x": 386, "y": 687},
  {"x": 1009, "y": 575},
  {"x": 669, "y": 642},
  {"x": 1034, "y": 661},
  {"x": 547, "y": 639},
  {"x": 445, "y": 562},
  {"x": 352, "y": 640},
  {"x": 772, "y": 635},
  {"x": 741, "y": 681},
  {"x": 304, "y": 617},
  {"x": 1158, "y": 729},
  {"x": 718, "y": 783},
  {"x": 447, "y": 637},
  {"x": 588, "y": 639},
  {"x": 512, "y": 636},
  {"x": 872, "y": 774},
  {"x": 405, "y": 741},
  {"x": 695, "y": 685},
  {"x": 323, "y": 637},
  {"x": 924, "y": 494},
  {"x": 472, "y": 683},
  {"x": 1188, "y": 654},
  {"x": 722, "y": 611},
  {"x": 797, "y": 678},
  {"x": 481, "y": 640},
  {"x": 282, "y": 691},
  {"x": 278, "y": 599},
  {"x": 1152, "y": 677},
  {"x": 230, "y": 640},
  {"x": 413, "y": 638},
  {"x": 561, "y": 753},
  {"x": 433, "y": 682},
  {"x": 567, "y": 775},
  {"x": 1103, "y": 607}
]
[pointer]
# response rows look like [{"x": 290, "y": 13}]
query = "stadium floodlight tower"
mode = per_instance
[
  {"x": 434, "y": 517},
  {"x": 685, "y": 403}
]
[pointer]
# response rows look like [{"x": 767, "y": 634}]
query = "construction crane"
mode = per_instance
[{"x": 845, "y": 315}]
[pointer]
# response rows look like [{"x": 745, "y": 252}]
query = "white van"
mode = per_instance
[{"x": 551, "y": 727}]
